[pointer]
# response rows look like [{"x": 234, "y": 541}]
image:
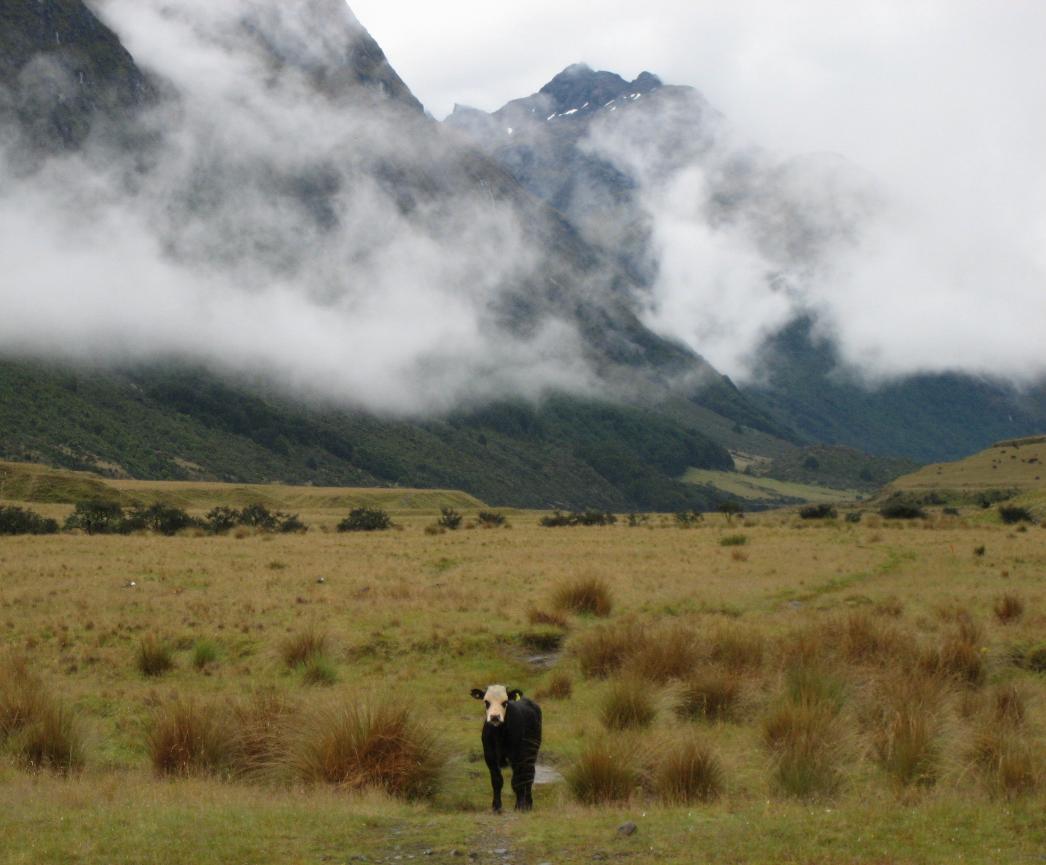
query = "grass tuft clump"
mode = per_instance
[
  {"x": 606, "y": 771},
  {"x": 604, "y": 650},
  {"x": 299, "y": 649},
  {"x": 319, "y": 670},
  {"x": 688, "y": 772},
  {"x": 1008, "y": 608},
  {"x": 1005, "y": 761},
  {"x": 44, "y": 733},
  {"x": 155, "y": 656},
  {"x": 628, "y": 705},
  {"x": 357, "y": 745},
  {"x": 733, "y": 541},
  {"x": 906, "y": 730},
  {"x": 189, "y": 738},
  {"x": 204, "y": 654},
  {"x": 710, "y": 695},
  {"x": 671, "y": 653},
  {"x": 586, "y": 596}
]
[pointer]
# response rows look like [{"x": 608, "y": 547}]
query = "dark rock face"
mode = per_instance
[{"x": 61, "y": 71}]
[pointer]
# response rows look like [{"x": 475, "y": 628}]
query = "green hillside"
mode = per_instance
[{"x": 187, "y": 425}]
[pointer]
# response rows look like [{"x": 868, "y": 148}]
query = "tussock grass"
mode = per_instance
[
  {"x": 669, "y": 653},
  {"x": 1009, "y": 706},
  {"x": 357, "y": 745},
  {"x": 551, "y": 619},
  {"x": 187, "y": 738},
  {"x": 560, "y": 687},
  {"x": 585, "y": 596},
  {"x": 709, "y": 695},
  {"x": 1005, "y": 761},
  {"x": 907, "y": 727},
  {"x": 154, "y": 657},
  {"x": 736, "y": 648},
  {"x": 688, "y": 772},
  {"x": 299, "y": 649},
  {"x": 262, "y": 725},
  {"x": 204, "y": 654},
  {"x": 319, "y": 670},
  {"x": 607, "y": 771},
  {"x": 604, "y": 650},
  {"x": 629, "y": 704},
  {"x": 1008, "y": 608},
  {"x": 863, "y": 640},
  {"x": 44, "y": 733}
]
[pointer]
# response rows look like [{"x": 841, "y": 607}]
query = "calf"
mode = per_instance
[{"x": 511, "y": 737}]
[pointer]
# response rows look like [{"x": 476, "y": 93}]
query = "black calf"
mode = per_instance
[{"x": 511, "y": 737}]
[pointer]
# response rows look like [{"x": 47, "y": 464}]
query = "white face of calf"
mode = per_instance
[{"x": 495, "y": 700}]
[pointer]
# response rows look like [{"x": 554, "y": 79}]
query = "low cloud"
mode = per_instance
[{"x": 333, "y": 245}]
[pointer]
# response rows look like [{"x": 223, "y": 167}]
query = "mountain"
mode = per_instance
[
  {"x": 230, "y": 201},
  {"x": 592, "y": 145}
]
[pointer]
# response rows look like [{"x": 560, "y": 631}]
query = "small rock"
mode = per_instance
[
  {"x": 321, "y": 580},
  {"x": 501, "y": 851},
  {"x": 627, "y": 829}
]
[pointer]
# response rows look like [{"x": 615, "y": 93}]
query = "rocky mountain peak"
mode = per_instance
[{"x": 579, "y": 87}]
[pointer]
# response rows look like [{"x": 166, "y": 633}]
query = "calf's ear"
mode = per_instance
[
  {"x": 515, "y": 694},
  {"x": 477, "y": 694}
]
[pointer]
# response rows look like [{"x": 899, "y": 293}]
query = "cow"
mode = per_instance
[{"x": 511, "y": 737}]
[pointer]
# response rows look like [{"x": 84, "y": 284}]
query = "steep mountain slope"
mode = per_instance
[
  {"x": 591, "y": 144},
  {"x": 236, "y": 203}
]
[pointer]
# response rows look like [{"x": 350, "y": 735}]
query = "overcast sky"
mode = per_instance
[{"x": 941, "y": 101}]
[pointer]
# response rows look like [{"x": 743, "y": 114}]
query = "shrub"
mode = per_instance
[
  {"x": 980, "y": 551},
  {"x": 162, "y": 519},
  {"x": 542, "y": 640},
  {"x": 96, "y": 518},
  {"x": 257, "y": 516},
  {"x": 558, "y": 519},
  {"x": 189, "y": 738},
  {"x": 636, "y": 520},
  {"x": 221, "y": 520},
  {"x": 301, "y": 648},
  {"x": 491, "y": 519},
  {"x": 710, "y": 695},
  {"x": 901, "y": 511},
  {"x": 18, "y": 521},
  {"x": 365, "y": 520},
  {"x": 854, "y": 517},
  {"x": 688, "y": 772},
  {"x": 818, "y": 512},
  {"x": 154, "y": 657},
  {"x": 1012, "y": 514},
  {"x": 449, "y": 519},
  {"x": 604, "y": 650},
  {"x": 1008, "y": 608},
  {"x": 586, "y": 596},
  {"x": 733, "y": 540},
  {"x": 204, "y": 653},
  {"x": 605, "y": 772},
  {"x": 688, "y": 519},
  {"x": 290, "y": 524},
  {"x": 628, "y": 704},
  {"x": 356, "y": 745},
  {"x": 731, "y": 509}
]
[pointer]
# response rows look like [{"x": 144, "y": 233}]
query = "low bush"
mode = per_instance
[
  {"x": 854, "y": 517},
  {"x": 558, "y": 519},
  {"x": 818, "y": 512},
  {"x": 356, "y": 745},
  {"x": 629, "y": 704},
  {"x": 365, "y": 520},
  {"x": 491, "y": 519},
  {"x": 154, "y": 657},
  {"x": 688, "y": 772},
  {"x": 1013, "y": 514},
  {"x": 585, "y": 596},
  {"x": 449, "y": 519},
  {"x": 221, "y": 520},
  {"x": 18, "y": 521},
  {"x": 162, "y": 519},
  {"x": 733, "y": 540},
  {"x": 688, "y": 519},
  {"x": 97, "y": 518},
  {"x": 901, "y": 511},
  {"x": 607, "y": 771}
]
